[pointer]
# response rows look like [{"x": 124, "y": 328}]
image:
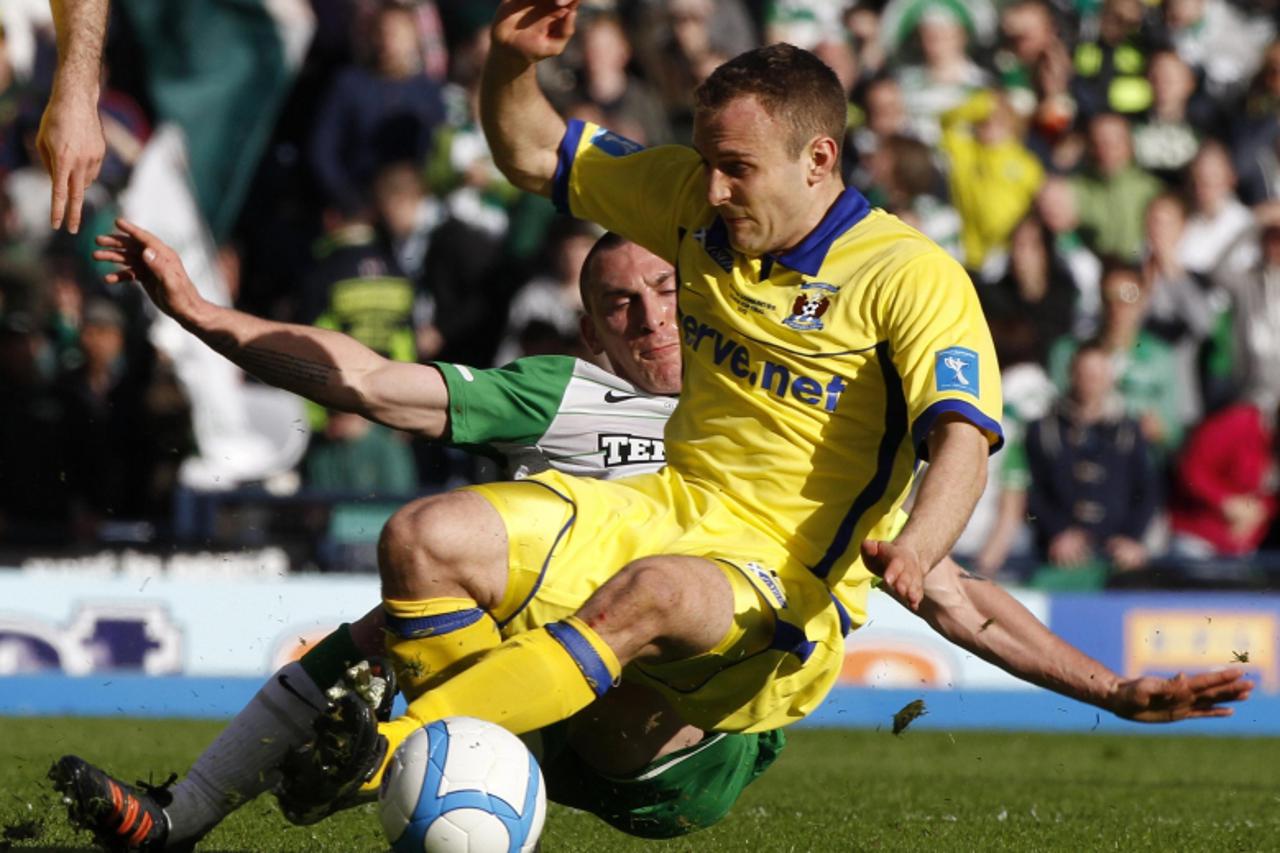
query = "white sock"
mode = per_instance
[{"x": 241, "y": 763}]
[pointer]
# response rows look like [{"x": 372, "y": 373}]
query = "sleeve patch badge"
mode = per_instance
[
  {"x": 613, "y": 144},
  {"x": 956, "y": 369}
]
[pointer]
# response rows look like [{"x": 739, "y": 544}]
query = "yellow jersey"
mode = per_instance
[{"x": 811, "y": 378}]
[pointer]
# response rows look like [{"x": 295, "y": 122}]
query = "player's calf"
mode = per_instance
[{"x": 627, "y": 729}]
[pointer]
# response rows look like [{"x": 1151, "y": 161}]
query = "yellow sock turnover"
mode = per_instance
[{"x": 426, "y": 640}]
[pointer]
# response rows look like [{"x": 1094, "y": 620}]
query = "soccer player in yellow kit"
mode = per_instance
[{"x": 828, "y": 349}]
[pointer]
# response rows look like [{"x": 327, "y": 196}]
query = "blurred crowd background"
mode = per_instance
[{"x": 1108, "y": 173}]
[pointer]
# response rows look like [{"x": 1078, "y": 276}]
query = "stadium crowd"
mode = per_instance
[{"x": 1108, "y": 172}]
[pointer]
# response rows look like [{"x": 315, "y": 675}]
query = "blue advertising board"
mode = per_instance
[{"x": 134, "y": 644}]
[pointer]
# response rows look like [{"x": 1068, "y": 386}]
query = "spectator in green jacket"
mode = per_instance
[{"x": 1112, "y": 193}]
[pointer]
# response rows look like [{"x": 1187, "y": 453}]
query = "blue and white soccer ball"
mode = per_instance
[{"x": 462, "y": 785}]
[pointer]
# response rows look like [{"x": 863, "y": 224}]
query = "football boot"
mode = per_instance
[
  {"x": 326, "y": 774},
  {"x": 121, "y": 817}
]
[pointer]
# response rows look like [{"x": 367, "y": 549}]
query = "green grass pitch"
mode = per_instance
[{"x": 830, "y": 791}]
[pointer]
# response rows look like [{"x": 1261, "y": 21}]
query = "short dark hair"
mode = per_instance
[
  {"x": 609, "y": 240},
  {"x": 794, "y": 86}
]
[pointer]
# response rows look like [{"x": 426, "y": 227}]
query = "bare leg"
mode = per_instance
[{"x": 627, "y": 729}]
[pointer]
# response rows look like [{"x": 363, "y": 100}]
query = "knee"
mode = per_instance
[
  {"x": 411, "y": 549},
  {"x": 651, "y": 602},
  {"x": 654, "y": 586},
  {"x": 662, "y": 608}
]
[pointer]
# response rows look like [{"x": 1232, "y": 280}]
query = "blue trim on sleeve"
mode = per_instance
[
  {"x": 593, "y": 667},
  {"x": 432, "y": 626},
  {"x": 808, "y": 256},
  {"x": 567, "y": 151},
  {"x": 924, "y": 423},
  {"x": 895, "y": 430},
  {"x": 846, "y": 621}
]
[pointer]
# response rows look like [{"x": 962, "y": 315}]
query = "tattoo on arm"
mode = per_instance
[
  {"x": 277, "y": 368},
  {"x": 967, "y": 575}
]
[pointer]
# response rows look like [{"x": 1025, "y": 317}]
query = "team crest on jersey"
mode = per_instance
[
  {"x": 956, "y": 369},
  {"x": 808, "y": 308},
  {"x": 769, "y": 579},
  {"x": 613, "y": 144}
]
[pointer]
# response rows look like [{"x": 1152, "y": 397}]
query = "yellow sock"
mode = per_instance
[
  {"x": 427, "y": 639},
  {"x": 530, "y": 681}
]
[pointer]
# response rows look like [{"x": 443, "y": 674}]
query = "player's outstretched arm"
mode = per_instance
[
  {"x": 949, "y": 490},
  {"x": 328, "y": 367},
  {"x": 522, "y": 127},
  {"x": 70, "y": 139},
  {"x": 980, "y": 616}
]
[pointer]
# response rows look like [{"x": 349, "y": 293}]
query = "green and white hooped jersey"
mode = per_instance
[{"x": 555, "y": 411}]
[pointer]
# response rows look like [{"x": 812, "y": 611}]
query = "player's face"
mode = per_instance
[
  {"x": 760, "y": 190},
  {"x": 632, "y": 317}
]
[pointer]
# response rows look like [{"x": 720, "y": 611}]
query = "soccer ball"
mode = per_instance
[{"x": 461, "y": 785}]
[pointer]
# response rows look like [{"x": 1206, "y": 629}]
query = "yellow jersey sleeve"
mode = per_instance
[
  {"x": 941, "y": 347},
  {"x": 644, "y": 194}
]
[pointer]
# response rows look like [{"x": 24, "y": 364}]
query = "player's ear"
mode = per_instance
[
  {"x": 589, "y": 336},
  {"x": 824, "y": 158}
]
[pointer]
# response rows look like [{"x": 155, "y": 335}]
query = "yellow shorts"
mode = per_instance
[{"x": 567, "y": 536}]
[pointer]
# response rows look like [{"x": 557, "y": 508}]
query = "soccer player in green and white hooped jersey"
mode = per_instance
[
  {"x": 662, "y": 778},
  {"x": 555, "y": 411}
]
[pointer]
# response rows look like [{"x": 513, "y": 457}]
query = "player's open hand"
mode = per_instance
[
  {"x": 1167, "y": 700},
  {"x": 143, "y": 257},
  {"x": 900, "y": 567},
  {"x": 535, "y": 29},
  {"x": 72, "y": 146}
]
